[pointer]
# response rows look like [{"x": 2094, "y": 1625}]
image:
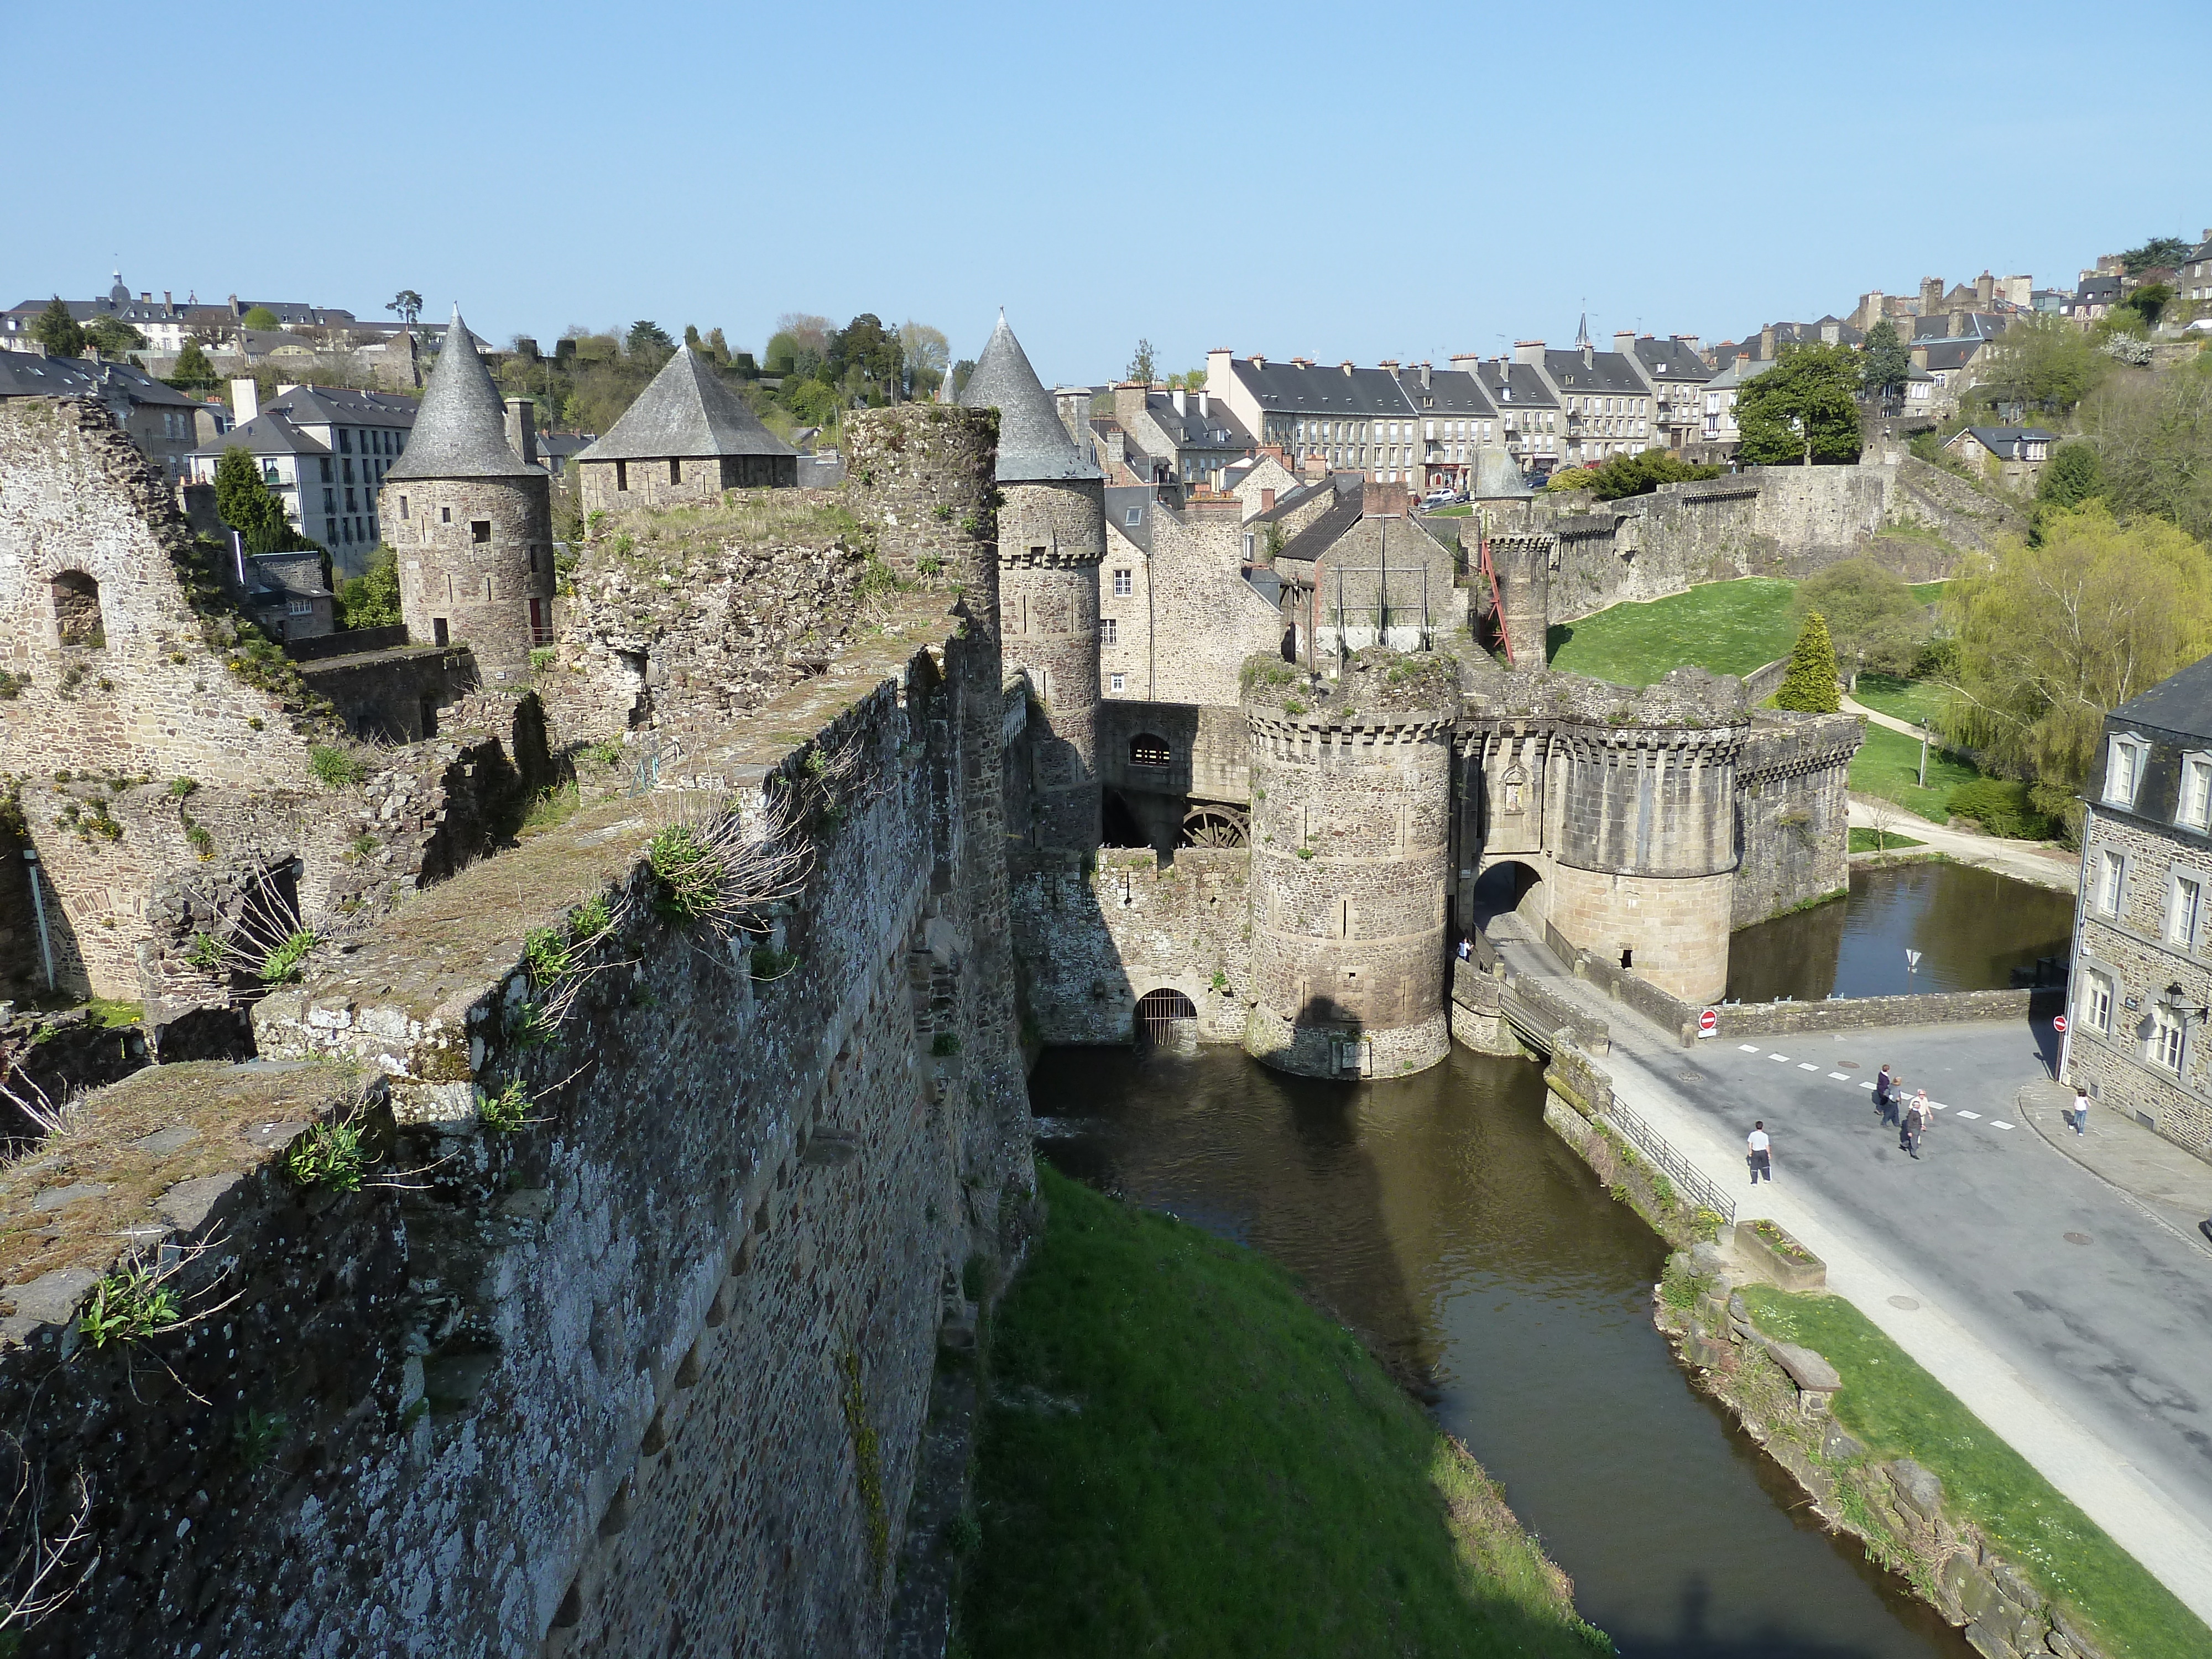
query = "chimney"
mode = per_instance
[
  {"x": 1931, "y": 295},
  {"x": 1345, "y": 364},
  {"x": 1624, "y": 341},
  {"x": 1382, "y": 500},
  {"x": 147, "y": 298},
  {"x": 1425, "y": 377},
  {"x": 1181, "y": 406},
  {"x": 1766, "y": 343},
  {"x": 1257, "y": 360},
  {"x": 1985, "y": 290},
  {"x": 167, "y": 301},
  {"x": 522, "y": 428},
  {"x": 1529, "y": 351},
  {"x": 1217, "y": 367},
  {"x": 1589, "y": 352},
  {"x": 1390, "y": 366},
  {"x": 1689, "y": 343},
  {"x": 1205, "y": 405},
  {"x": 244, "y": 400}
]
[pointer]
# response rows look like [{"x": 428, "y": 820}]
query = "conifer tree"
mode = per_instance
[
  {"x": 193, "y": 372},
  {"x": 1810, "y": 686},
  {"x": 58, "y": 331},
  {"x": 247, "y": 506}
]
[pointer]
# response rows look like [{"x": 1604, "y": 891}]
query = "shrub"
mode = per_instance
[
  {"x": 335, "y": 768},
  {"x": 181, "y": 787},
  {"x": 128, "y": 1303},
  {"x": 205, "y": 954},
  {"x": 690, "y": 873},
  {"x": 2001, "y": 805},
  {"x": 283, "y": 963},
  {"x": 506, "y": 1111},
  {"x": 329, "y": 1155}
]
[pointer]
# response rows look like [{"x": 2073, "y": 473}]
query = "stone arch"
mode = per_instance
[
  {"x": 1147, "y": 749},
  {"x": 1512, "y": 887},
  {"x": 1166, "y": 1019},
  {"x": 77, "y": 617}
]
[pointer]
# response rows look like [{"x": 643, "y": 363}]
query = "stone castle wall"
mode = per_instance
[
  {"x": 454, "y": 588},
  {"x": 1792, "y": 812},
  {"x": 1051, "y": 538},
  {"x": 645, "y": 1373}
]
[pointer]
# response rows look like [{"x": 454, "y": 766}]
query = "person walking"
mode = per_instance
[
  {"x": 2080, "y": 1111},
  {"x": 1885, "y": 1094},
  {"x": 1761, "y": 1152},
  {"x": 1916, "y": 1124}
]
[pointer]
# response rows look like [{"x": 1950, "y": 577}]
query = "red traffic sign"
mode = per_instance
[
  {"x": 1708, "y": 1023},
  {"x": 2058, "y": 1024}
]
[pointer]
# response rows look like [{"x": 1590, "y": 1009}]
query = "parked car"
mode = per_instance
[{"x": 1438, "y": 498}]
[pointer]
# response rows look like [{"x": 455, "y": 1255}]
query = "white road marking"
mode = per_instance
[
  {"x": 1748, "y": 1047},
  {"x": 1839, "y": 1077},
  {"x": 1963, "y": 1112},
  {"x": 1866, "y": 1085},
  {"x": 1785, "y": 1059},
  {"x": 1807, "y": 1066},
  {"x": 1999, "y": 1123}
]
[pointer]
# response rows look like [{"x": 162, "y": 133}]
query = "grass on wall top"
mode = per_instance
[{"x": 1730, "y": 628}]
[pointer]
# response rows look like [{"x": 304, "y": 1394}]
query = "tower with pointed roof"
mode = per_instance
[
  {"x": 687, "y": 437},
  {"x": 470, "y": 519},
  {"x": 1052, "y": 539}
]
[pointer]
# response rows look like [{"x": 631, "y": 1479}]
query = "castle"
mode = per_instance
[{"x": 670, "y": 959}]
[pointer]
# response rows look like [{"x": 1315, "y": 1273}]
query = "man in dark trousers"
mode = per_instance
[
  {"x": 1761, "y": 1152},
  {"x": 1885, "y": 1094},
  {"x": 1916, "y": 1116}
]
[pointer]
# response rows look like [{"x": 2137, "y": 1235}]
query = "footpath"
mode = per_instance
[
  {"x": 2030, "y": 861},
  {"x": 2089, "y": 1357}
]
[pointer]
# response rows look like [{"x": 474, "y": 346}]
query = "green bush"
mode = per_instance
[
  {"x": 2001, "y": 806},
  {"x": 335, "y": 768}
]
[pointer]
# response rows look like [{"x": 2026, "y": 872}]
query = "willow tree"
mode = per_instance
[{"x": 2052, "y": 637}]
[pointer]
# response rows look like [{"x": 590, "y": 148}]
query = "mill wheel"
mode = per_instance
[{"x": 1213, "y": 826}]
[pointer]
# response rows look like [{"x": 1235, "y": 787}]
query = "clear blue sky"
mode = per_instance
[{"x": 1331, "y": 181}]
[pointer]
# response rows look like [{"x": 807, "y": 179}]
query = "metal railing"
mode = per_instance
[{"x": 1690, "y": 1182}]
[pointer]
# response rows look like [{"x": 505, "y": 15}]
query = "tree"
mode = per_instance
[
  {"x": 261, "y": 317},
  {"x": 2153, "y": 440},
  {"x": 113, "y": 337},
  {"x": 2158, "y": 250},
  {"x": 927, "y": 355},
  {"x": 1885, "y": 362},
  {"x": 247, "y": 505},
  {"x": 865, "y": 358},
  {"x": 408, "y": 303},
  {"x": 2042, "y": 362},
  {"x": 193, "y": 372},
  {"x": 1567, "y": 479},
  {"x": 372, "y": 600},
  {"x": 961, "y": 371},
  {"x": 648, "y": 341},
  {"x": 1140, "y": 364},
  {"x": 1803, "y": 410},
  {"x": 1644, "y": 471},
  {"x": 1809, "y": 687},
  {"x": 58, "y": 330},
  {"x": 2144, "y": 306},
  {"x": 2071, "y": 475},
  {"x": 2052, "y": 637},
  {"x": 1871, "y": 617}
]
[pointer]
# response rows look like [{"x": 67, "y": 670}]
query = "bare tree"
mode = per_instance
[{"x": 48, "y": 1564}]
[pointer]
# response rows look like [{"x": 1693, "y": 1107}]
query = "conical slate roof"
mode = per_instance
[
  {"x": 1032, "y": 443},
  {"x": 461, "y": 431},
  {"x": 686, "y": 411}
]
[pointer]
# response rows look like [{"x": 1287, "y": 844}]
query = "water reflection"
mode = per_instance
[
  {"x": 1972, "y": 928},
  {"x": 1438, "y": 1216}
]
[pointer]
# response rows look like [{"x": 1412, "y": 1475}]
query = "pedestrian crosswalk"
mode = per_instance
[{"x": 1867, "y": 1083}]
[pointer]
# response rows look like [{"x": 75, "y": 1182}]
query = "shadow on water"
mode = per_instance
[
  {"x": 1438, "y": 1216},
  {"x": 1972, "y": 928}
]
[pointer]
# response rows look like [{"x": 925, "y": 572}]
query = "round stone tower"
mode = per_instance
[
  {"x": 470, "y": 521},
  {"x": 1644, "y": 843},
  {"x": 1523, "y": 565},
  {"x": 1350, "y": 805},
  {"x": 1052, "y": 536}
]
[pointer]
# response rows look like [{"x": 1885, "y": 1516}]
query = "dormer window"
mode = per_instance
[
  {"x": 2123, "y": 770},
  {"x": 2194, "y": 809}
]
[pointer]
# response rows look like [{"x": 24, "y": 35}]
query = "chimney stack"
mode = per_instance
[
  {"x": 1931, "y": 295},
  {"x": 1181, "y": 407},
  {"x": 1624, "y": 341},
  {"x": 1425, "y": 377},
  {"x": 1766, "y": 343},
  {"x": 1530, "y": 352},
  {"x": 244, "y": 400},
  {"x": 1986, "y": 291},
  {"x": 522, "y": 428},
  {"x": 1205, "y": 405}
]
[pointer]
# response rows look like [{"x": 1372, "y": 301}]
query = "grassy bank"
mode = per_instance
[
  {"x": 1888, "y": 1401},
  {"x": 1182, "y": 1457},
  {"x": 1917, "y": 701},
  {"x": 1888, "y": 763},
  {"x": 1868, "y": 841},
  {"x": 1730, "y": 628}
]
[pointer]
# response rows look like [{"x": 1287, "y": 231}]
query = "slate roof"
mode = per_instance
[
  {"x": 1976, "y": 325},
  {"x": 1216, "y": 429},
  {"x": 1354, "y": 392},
  {"x": 1605, "y": 371},
  {"x": 1670, "y": 360},
  {"x": 1739, "y": 370},
  {"x": 1952, "y": 353},
  {"x": 316, "y": 405},
  {"x": 2100, "y": 291},
  {"x": 2182, "y": 704},
  {"x": 2004, "y": 441},
  {"x": 26, "y": 374},
  {"x": 1525, "y": 384},
  {"x": 461, "y": 430},
  {"x": 1122, "y": 500},
  {"x": 1324, "y": 533},
  {"x": 687, "y": 412},
  {"x": 1033, "y": 444},
  {"x": 268, "y": 434}
]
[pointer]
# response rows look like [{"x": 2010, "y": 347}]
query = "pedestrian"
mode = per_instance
[
  {"x": 1466, "y": 947},
  {"x": 2080, "y": 1113},
  {"x": 1916, "y": 1124},
  {"x": 1761, "y": 1152},
  {"x": 1885, "y": 1094}
]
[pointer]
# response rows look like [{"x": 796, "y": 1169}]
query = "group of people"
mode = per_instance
[{"x": 1909, "y": 1117}]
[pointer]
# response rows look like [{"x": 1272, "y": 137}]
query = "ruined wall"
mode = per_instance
[
  {"x": 643, "y": 1371},
  {"x": 1092, "y": 944},
  {"x": 391, "y": 696},
  {"x": 1793, "y": 811}
]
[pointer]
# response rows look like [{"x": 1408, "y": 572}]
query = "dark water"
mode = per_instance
[
  {"x": 1970, "y": 926},
  {"x": 1440, "y": 1216}
]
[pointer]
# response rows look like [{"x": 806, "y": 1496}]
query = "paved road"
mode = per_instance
[{"x": 2093, "y": 1358}]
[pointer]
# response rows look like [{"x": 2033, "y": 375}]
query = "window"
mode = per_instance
[
  {"x": 445, "y": 515},
  {"x": 403, "y": 507},
  {"x": 2123, "y": 770},
  {"x": 2165, "y": 1031},
  {"x": 438, "y": 630},
  {"x": 480, "y": 530},
  {"x": 1123, "y": 586},
  {"x": 77, "y": 620},
  {"x": 2182, "y": 906},
  {"x": 1146, "y": 750},
  {"x": 1109, "y": 631},
  {"x": 330, "y": 501},
  {"x": 329, "y": 527},
  {"x": 622, "y": 475},
  {"x": 675, "y": 471},
  {"x": 345, "y": 442},
  {"x": 1114, "y": 683},
  {"x": 2195, "y": 809},
  {"x": 2096, "y": 1006},
  {"x": 299, "y": 607},
  {"x": 350, "y": 505}
]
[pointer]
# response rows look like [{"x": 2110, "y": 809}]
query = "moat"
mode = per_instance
[
  {"x": 1972, "y": 928},
  {"x": 1439, "y": 1217}
]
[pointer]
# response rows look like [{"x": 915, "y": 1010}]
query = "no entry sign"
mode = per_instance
[
  {"x": 1708, "y": 1023},
  {"x": 2058, "y": 1024}
]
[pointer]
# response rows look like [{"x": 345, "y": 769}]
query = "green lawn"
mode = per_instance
[
  {"x": 1928, "y": 592},
  {"x": 1888, "y": 763},
  {"x": 1919, "y": 701},
  {"x": 1866, "y": 841},
  {"x": 1182, "y": 1457},
  {"x": 1899, "y": 1410},
  {"x": 1730, "y": 628}
]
